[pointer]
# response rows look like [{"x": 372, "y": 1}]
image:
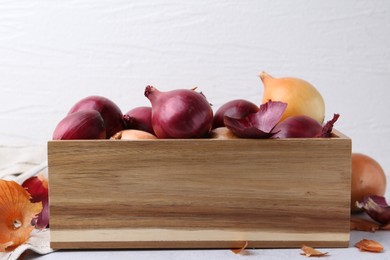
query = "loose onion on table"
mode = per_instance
[{"x": 368, "y": 178}]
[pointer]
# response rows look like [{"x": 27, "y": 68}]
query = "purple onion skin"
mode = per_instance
[
  {"x": 259, "y": 124},
  {"x": 297, "y": 127},
  {"x": 237, "y": 108},
  {"x": 111, "y": 113},
  {"x": 38, "y": 193},
  {"x": 85, "y": 124},
  {"x": 180, "y": 113},
  {"x": 139, "y": 118},
  {"x": 377, "y": 208}
]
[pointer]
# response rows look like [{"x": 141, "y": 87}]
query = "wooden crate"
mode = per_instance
[{"x": 200, "y": 193}]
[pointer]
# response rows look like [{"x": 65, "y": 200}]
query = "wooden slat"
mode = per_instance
[{"x": 201, "y": 186}]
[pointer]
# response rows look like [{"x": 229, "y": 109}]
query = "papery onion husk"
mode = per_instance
[
  {"x": 310, "y": 251},
  {"x": 259, "y": 124},
  {"x": 361, "y": 224},
  {"x": 369, "y": 245},
  {"x": 377, "y": 208},
  {"x": 17, "y": 213},
  {"x": 85, "y": 124},
  {"x": 37, "y": 187},
  {"x": 237, "y": 108}
]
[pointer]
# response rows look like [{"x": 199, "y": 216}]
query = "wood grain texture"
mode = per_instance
[{"x": 199, "y": 193}]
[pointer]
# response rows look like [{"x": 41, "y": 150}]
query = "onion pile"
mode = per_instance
[{"x": 291, "y": 108}]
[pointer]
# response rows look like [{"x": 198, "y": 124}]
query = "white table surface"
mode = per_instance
[{"x": 334, "y": 253}]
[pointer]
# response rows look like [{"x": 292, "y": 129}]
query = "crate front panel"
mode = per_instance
[{"x": 199, "y": 193}]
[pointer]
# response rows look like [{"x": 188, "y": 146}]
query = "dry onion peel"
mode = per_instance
[
  {"x": 361, "y": 224},
  {"x": 369, "y": 245},
  {"x": 240, "y": 250},
  {"x": 385, "y": 227},
  {"x": 4, "y": 246},
  {"x": 37, "y": 187},
  {"x": 237, "y": 108},
  {"x": 377, "y": 208},
  {"x": 328, "y": 127},
  {"x": 17, "y": 213},
  {"x": 259, "y": 124},
  {"x": 310, "y": 252}
]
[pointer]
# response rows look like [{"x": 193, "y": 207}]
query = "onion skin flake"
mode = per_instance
[
  {"x": 361, "y": 224},
  {"x": 369, "y": 246},
  {"x": 310, "y": 252},
  {"x": 259, "y": 124},
  {"x": 377, "y": 208}
]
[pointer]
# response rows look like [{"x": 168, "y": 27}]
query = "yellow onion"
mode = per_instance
[
  {"x": 303, "y": 98},
  {"x": 132, "y": 134},
  {"x": 222, "y": 133}
]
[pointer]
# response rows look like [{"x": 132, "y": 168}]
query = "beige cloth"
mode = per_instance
[{"x": 19, "y": 163}]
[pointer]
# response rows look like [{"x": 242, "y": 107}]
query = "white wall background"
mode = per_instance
[{"x": 53, "y": 53}]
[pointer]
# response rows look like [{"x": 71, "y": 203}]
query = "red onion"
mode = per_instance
[
  {"x": 259, "y": 124},
  {"x": 85, "y": 124},
  {"x": 303, "y": 127},
  {"x": 180, "y": 113},
  {"x": 112, "y": 115},
  {"x": 238, "y": 108},
  {"x": 37, "y": 187},
  {"x": 139, "y": 118}
]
